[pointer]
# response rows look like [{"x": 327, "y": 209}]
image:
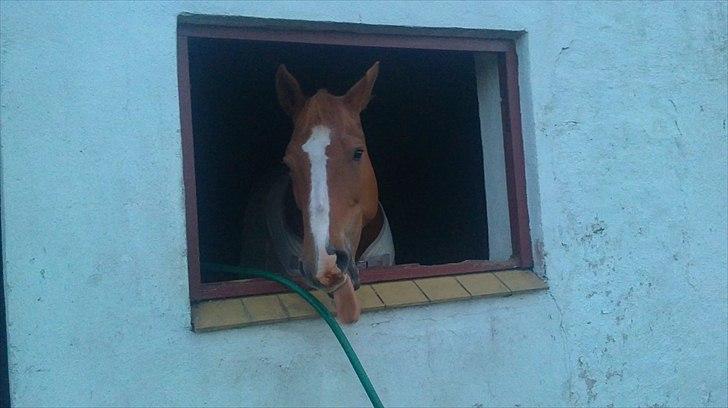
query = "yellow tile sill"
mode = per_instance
[{"x": 239, "y": 312}]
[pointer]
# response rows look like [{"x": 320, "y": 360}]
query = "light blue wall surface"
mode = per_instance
[{"x": 624, "y": 114}]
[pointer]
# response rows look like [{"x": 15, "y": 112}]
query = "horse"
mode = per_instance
[{"x": 323, "y": 217}]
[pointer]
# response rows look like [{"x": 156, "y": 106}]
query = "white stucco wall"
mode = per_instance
[{"x": 624, "y": 116}]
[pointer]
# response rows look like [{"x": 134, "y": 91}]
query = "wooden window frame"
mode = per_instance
[{"x": 344, "y": 34}]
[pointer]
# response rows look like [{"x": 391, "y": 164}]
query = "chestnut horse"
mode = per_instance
[{"x": 336, "y": 220}]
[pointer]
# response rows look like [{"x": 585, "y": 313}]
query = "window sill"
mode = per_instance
[{"x": 239, "y": 312}]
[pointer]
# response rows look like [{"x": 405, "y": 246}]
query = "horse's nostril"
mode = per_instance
[{"x": 342, "y": 260}]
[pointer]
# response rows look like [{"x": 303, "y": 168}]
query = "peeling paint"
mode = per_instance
[{"x": 588, "y": 381}]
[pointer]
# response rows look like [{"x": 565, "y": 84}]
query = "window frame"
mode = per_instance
[{"x": 371, "y": 36}]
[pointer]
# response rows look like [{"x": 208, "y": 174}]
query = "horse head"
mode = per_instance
[{"x": 332, "y": 179}]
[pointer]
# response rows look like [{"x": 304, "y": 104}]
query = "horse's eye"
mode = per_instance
[{"x": 358, "y": 153}]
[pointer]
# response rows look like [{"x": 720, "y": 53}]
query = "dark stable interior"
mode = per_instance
[{"x": 422, "y": 129}]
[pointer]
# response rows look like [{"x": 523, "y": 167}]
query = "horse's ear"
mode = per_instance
[
  {"x": 289, "y": 92},
  {"x": 358, "y": 96}
]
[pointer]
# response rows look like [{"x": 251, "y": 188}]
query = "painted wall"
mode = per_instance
[{"x": 624, "y": 113}]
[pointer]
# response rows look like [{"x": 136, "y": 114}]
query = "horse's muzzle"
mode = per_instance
[{"x": 345, "y": 264}]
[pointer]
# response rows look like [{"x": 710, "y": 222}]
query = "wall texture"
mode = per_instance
[{"x": 624, "y": 113}]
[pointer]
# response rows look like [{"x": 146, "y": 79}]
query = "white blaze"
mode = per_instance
[{"x": 318, "y": 204}]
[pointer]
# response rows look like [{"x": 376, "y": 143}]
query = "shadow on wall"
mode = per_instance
[{"x": 4, "y": 373}]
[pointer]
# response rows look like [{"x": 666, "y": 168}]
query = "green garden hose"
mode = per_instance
[{"x": 321, "y": 309}]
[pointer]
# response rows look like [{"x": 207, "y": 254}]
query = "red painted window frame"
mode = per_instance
[{"x": 513, "y": 145}]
